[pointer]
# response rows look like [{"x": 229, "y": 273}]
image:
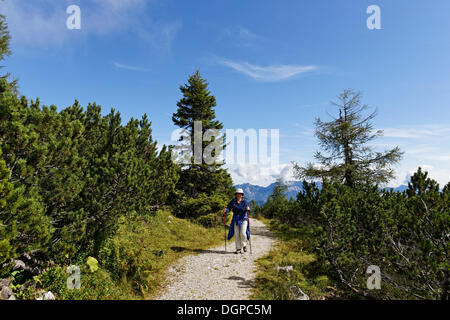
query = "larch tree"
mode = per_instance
[{"x": 348, "y": 157}]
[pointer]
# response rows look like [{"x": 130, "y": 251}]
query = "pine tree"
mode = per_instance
[
  {"x": 198, "y": 104},
  {"x": 4, "y": 38},
  {"x": 168, "y": 175},
  {"x": 277, "y": 203},
  {"x": 40, "y": 150},
  {"x": 5, "y": 50},
  {"x": 23, "y": 227},
  {"x": 350, "y": 160}
]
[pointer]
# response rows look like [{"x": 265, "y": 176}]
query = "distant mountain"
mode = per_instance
[
  {"x": 399, "y": 188},
  {"x": 261, "y": 194}
]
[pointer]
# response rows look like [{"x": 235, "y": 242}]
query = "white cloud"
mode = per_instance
[
  {"x": 160, "y": 34},
  {"x": 262, "y": 175},
  {"x": 265, "y": 175},
  {"x": 438, "y": 157},
  {"x": 272, "y": 73},
  {"x": 421, "y": 131},
  {"x": 245, "y": 33},
  {"x": 419, "y": 150},
  {"x": 120, "y": 5},
  {"x": 428, "y": 143},
  {"x": 35, "y": 22},
  {"x": 128, "y": 67},
  {"x": 241, "y": 37},
  {"x": 42, "y": 23},
  {"x": 442, "y": 176}
]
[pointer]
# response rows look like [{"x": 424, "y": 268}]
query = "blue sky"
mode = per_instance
[{"x": 270, "y": 64}]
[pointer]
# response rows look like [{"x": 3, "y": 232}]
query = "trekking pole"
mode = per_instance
[
  {"x": 225, "y": 229},
  {"x": 250, "y": 236}
]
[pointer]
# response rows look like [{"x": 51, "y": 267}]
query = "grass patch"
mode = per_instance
[{"x": 271, "y": 284}]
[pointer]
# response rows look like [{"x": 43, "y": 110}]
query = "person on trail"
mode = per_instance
[{"x": 239, "y": 224}]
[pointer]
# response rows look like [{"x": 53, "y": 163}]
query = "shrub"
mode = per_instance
[
  {"x": 402, "y": 233},
  {"x": 201, "y": 206}
]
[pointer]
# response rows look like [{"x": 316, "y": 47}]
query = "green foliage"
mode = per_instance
[
  {"x": 277, "y": 205},
  {"x": 68, "y": 176},
  {"x": 405, "y": 234},
  {"x": 4, "y": 38},
  {"x": 23, "y": 227},
  {"x": 197, "y": 104},
  {"x": 350, "y": 159},
  {"x": 273, "y": 284},
  {"x": 94, "y": 286},
  {"x": 201, "y": 206},
  {"x": 211, "y": 220},
  {"x": 92, "y": 263}
]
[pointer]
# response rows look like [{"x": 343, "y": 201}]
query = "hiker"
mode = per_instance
[{"x": 239, "y": 224}]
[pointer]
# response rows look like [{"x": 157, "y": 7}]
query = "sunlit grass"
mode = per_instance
[{"x": 271, "y": 284}]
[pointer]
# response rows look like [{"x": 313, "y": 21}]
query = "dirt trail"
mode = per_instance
[{"x": 216, "y": 274}]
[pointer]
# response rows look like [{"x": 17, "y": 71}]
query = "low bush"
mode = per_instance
[
  {"x": 201, "y": 206},
  {"x": 405, "y": 234}
]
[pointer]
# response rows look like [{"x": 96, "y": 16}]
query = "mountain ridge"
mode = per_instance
[{"x": 260, "y": 194}]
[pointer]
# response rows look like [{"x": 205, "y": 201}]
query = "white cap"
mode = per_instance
[{"x": 239, "y": 190}]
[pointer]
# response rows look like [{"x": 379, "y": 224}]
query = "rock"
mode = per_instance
[
  {"x": 47, "y": 296},
  {"x": 27, "y": 256},
  {"x": 12, "y": 297},
  {"x": 298, "y": 293},
  {"x": 19, "y": 265},
  {"x": 5, "y": 282},
  {"x": 5, "y": 293},
  {"x": 287, "y": 268}
]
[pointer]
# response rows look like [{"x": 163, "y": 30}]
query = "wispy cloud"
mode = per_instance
[
  {"x": 245, "y": 33},
  {"x": 242, "y": 37},
  {"x": 438, "y": 157},
  {"x": 272, "y": 73},
  {"x": 128, "y": 67},
  {"x": 160, "y": 34},
  {"x": 35, "y": 23},
  {"x": 421, "y": 131},
  {"x": 42, "y": 23},
  {"x": 441, "y": 175},
  {"x": 425, "y": 145}
]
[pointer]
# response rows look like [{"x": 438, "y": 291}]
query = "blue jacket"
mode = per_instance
[{"x": 239, "y": 216}]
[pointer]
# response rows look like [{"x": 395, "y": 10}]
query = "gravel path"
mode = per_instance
[{"x": 216, "y": 274}]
